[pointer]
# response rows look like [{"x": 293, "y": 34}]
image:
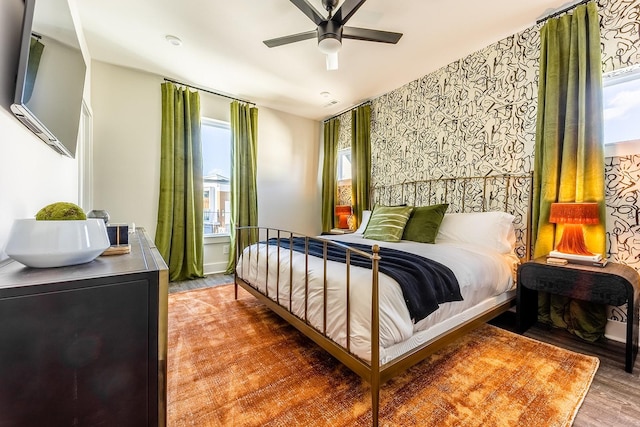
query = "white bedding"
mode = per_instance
[{"x": 485, "y": 277}]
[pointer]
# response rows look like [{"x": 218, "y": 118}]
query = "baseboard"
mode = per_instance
[
  {"x": 616, "y": 331},
  {"x": 215, "y": 267}
]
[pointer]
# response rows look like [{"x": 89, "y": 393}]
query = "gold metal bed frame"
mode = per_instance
[{"x": 440, "y": 191}]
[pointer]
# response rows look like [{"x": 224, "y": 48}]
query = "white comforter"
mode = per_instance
[{"x": 481, "y": 274}]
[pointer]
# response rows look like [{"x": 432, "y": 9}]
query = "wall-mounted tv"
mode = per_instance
[{"x": 51, "y": 75}]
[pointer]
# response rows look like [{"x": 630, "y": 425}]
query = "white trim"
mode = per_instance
[
  {"x": 215, "y": 123},
  {"x": 622, "y": 148},
  {"x": 85, "y": 158}
]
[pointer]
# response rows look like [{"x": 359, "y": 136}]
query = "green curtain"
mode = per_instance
[
  {"x": 244, "y": 196},
  {"x": 360, "y": 160},
  {"x": 329, "y": 183},
  {"x": 180, "y": 216},
  {"x": 569, "y": 152}
]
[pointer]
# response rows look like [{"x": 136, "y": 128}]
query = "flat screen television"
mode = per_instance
[{"x": 51, "y": 75}]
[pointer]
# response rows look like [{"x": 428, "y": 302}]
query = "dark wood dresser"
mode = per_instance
[{"x": 85, "y": 345}]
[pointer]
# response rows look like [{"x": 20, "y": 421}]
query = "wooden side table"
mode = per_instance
[{"x": 613, "y": 284}]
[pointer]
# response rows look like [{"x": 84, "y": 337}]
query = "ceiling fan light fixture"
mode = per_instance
[
  {"x": 329, "y": 45},
  {"x": 332, "y": 61}
]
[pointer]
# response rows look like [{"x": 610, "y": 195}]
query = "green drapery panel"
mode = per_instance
[
  {"x": 180, "y": 223},
  {"x": 244, "y": 195},
  {"x": 569, "y": 153},
  {"x": 329, "y": 165},
  {"x": 360, "y": 159}
]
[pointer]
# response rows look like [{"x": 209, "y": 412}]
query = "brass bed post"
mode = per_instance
[
  {"x": 348, "y": 307},
  {"x": 235, "y": 273},
  {"x": 266, "y": 277},
  {"x": 290, "y": 270},
  {"x": 375, "y": 337},
  {"x": 464, "y": 193},
  {"x": 324, "y": 289},
  {"x": 277, "y": 268},
  {"x": 306, "y": 279}
]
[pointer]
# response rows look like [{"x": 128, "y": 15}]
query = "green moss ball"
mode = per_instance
[{"x": 61, "y": 211}]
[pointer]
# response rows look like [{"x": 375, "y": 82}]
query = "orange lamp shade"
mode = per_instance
[
  {"x": 573, "y": 215},
  {"x": 343, "y": 212}
]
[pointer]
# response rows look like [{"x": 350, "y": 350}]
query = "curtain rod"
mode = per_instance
[
  {"x": 207, "y": 90},
  {"x": 347, "y": 110},
  {"x": 560, "y": 12}
]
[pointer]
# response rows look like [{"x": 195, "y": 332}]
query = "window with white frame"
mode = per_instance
[
  {"x": 621, "y": 102},
  {"x": 344, "y": 164},
  {"x": 216, "y": 171}
]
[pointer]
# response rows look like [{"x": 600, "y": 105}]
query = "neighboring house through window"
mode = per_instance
[{"x": 216, "y": 165}]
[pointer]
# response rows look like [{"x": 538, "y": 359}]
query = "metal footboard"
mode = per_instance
[{"x": 252, "y": 239}]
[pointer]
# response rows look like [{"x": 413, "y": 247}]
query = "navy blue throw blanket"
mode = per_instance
[{"x": 425, "y": 283}]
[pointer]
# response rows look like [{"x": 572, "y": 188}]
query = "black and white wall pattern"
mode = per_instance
[{"x": 476, "y": 116}]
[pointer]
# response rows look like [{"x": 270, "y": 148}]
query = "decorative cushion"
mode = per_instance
[
  {"x": 424, "y": 223},
  {"x": 387, "y": 223},
  {"x": 492, "y": 230}
]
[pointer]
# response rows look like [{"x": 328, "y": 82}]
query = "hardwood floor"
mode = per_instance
[
  {"x": 206, "y": 282},
  {"x": 614, "y": 396}
]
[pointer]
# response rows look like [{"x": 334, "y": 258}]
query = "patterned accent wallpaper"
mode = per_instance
[{"x": 477, "y": 116}]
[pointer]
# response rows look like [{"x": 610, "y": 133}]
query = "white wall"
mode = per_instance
[
  {"x": 127, "y": 119},
  {"x": 289, "y": 194},
  {"x": 32, "y": 175},
  {"x": 126, "y": 144}
]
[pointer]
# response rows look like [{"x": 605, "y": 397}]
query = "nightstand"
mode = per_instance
[{"x": 613, "y": 284}]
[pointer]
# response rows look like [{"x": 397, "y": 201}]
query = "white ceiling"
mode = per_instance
[{"x": 222, "y": 45}]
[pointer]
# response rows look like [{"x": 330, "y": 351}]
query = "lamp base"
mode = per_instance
[
  {"x": 572, "y": 241},
  {"x": 575, "y": 257}
]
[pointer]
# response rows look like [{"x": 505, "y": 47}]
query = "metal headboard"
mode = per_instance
[{"x": 510, "y": 193}]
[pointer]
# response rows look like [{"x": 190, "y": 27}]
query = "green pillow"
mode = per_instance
[
  {"x": 387, "y": 223},
  {"x": 424, "y": 223}
]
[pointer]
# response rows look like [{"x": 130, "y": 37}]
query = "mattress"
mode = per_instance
[{"x": 486, "y": 278}]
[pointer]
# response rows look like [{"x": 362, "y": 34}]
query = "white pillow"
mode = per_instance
[
  {"x": 366, "y": 215},
  {"x": 493, "y": 230}
]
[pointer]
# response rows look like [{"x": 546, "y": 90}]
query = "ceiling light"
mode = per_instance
[
  {"x": 325, "y": 94},
  {"x": 329, "y": 45},
  {"x": 332, "y": 61},
  {"x": 173, "y": 40}
]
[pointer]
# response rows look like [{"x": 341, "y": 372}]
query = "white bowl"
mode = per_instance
[{"x": 44, "y": 244}]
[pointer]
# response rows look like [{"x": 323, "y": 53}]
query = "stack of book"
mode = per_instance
[{"x": 556, "y": 258}]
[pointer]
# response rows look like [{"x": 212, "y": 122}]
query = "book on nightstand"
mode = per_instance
[
  {"x": 563, "y": 261},
  {"x": 341, "y": 231}
]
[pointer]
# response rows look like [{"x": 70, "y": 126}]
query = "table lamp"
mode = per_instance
[
  {"x": 573, "y": 216},
  {"x": 343, "y": 212}
]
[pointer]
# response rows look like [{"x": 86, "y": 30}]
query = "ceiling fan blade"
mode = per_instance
[
  {"x": 346, "y": 11},
  {"x": 370, "y": 35},
  {"x": 291, "y": 39},
  {"x": 306, "y": 8}
]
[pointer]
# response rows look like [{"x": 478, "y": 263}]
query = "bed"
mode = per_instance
[{"x": 351, "y": 293}]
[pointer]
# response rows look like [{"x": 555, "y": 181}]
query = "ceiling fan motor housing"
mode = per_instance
[{"x": 329, "y": 29}]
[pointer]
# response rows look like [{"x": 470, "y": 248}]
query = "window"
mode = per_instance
[
  {"x": 216, "y": 171},
  {"x": 621, "y": 99},
  {"x": 344, "y": 164}
]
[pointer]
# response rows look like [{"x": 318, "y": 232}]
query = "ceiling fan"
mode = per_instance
[{"x": 332, "y": 30}]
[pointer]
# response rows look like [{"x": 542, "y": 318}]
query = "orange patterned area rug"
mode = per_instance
[{"x": 235, "y": 363}]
